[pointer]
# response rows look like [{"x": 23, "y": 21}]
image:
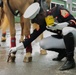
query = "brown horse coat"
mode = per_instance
[{"x": 21, "y": 6}]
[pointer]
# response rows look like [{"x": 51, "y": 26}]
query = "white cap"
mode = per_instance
[{"x": 32, "y": 11}]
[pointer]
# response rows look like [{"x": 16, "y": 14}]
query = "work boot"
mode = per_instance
[
  {"x": 61, "y": 54},
  {"x": 69, "y": 43},
  {"x": 69, "y": 64},
  {"x": 59, "y": 57}
]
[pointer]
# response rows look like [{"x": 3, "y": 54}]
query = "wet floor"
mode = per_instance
[{"x": 40, "y": 65}]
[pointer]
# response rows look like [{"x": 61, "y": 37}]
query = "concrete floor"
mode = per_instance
[{"x": 40, "y": 65}]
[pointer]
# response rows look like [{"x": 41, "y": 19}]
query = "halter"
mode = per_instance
[{"x": 16, "y": 13}]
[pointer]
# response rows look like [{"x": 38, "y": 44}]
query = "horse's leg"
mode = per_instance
[
  {"x": 3, "y": 38},
  {"x": 22, "y": 27},
  {"x": 10, "y": 17},
  {"x": 11, "y": 20},
  {"x": 28, "y": 56},
  {"x": 13, "y": 39}
]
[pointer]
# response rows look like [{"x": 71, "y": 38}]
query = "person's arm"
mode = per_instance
[
  {"x": 33, "y": 36},
  {"x": 57, "y": 27},
  {"x": 59, "y": 32}
]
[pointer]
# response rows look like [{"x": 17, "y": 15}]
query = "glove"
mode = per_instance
[
  {"x": 58, "y": 26},
  {"x": 59, "y": 32},
  {"x": 62, "y": 25},
  {"x": 52, "y": 27}
]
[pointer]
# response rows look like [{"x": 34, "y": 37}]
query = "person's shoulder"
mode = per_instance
[{"x": 59, "y": 6}]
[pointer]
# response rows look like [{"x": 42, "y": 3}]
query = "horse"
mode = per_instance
[
  {"x": 2, "y": 23},
  {"x": 9, "y": 7}
]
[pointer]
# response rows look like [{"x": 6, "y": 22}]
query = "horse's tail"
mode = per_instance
[{"x": 5, "y": 23}]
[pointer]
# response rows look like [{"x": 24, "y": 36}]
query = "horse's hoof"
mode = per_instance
[
  {"x": 11, "y": 58},
  {"x": 3, "y": 39},
  {"x": 43, "y": 52},
  {"x": 27, "y": 59}
]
